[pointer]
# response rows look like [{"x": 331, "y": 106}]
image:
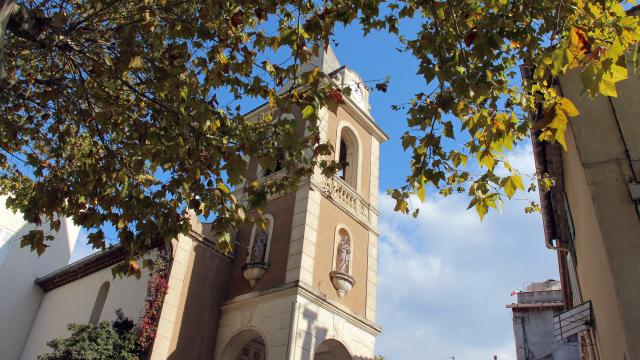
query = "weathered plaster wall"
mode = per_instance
[
  {"x": 597, "y": 172},
  {"x": 533, "y": 329}
]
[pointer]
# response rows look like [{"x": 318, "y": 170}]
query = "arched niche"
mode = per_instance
[
  {"x": 248, "y": 344},
  {"x": 257, "y": 261},
  {"x": 257, "y": 232},
  {"x": 342, "y": 266},
  {"x": 343, "y": 245},
  {"x": 98, "y": 305},
  {"x": 349, "y": 153},
  {"x": 332, "y": 349}
]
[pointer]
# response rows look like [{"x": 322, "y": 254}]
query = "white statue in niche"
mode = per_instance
[
  {"x": 343, "y": 258},
  {"x": 259, "y": 250}
]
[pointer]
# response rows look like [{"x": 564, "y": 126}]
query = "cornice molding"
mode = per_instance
[{"x": 297, "y": 288}]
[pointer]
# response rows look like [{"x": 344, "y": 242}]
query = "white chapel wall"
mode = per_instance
[
  {"x": 19, "y": 267},
  {"x": 74, "y": 302}
]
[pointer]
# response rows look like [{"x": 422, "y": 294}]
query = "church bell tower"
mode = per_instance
[{"x": 306, "y": 287}]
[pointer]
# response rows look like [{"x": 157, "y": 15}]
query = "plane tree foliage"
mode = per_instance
[{"x": 126, "y": 113}]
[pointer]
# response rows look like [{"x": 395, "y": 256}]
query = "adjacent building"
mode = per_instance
[
  {"x": 592, "y": 218},
  {"x": 303, "y": 287},
  {"x": 533, "y": 324}
]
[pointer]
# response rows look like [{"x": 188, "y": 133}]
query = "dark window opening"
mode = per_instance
[
  {"x": 342, "y": 160},
  {"x": 279, "y": 161}
]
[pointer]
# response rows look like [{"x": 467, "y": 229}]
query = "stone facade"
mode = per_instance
[
  {"x": 307, "y": 314},
  {"x": 310, "y": 293}
]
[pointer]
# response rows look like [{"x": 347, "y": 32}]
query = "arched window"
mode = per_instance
[
  {"x": 343, "y": 258},
  {"x": 260, "y": 242},
  {"x": 101, "y": 299},
  {"x": 348, "y": 155}
]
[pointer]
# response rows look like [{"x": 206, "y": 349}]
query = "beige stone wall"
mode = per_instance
[
  {"x": 599, "y": 133},
  {"x": 191, "y": 311},
  {"x": 281, "y": 209},
  {"x": 334, "y": 121},
  {"x": 293, "y": 322},
  {"x": 593, "y": 268},
  {"x": 73, "y": 302},
  {"x": 330, "y": 217}
]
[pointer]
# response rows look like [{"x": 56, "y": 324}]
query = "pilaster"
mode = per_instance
[
  {"x": 304, "y": 231},
  {"x": 172, "y": 304}
]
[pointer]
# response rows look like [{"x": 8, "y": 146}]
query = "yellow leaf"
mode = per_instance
[
  {"x": 568, "y": 107},
  {"x": 487, "y": 160},
  {"x": 607, "y": 88},
  {"x": 607, "y": 85},
  {"x": 136, "y": 62},
  {"x": 481, "y": 209},
  {"x": 421, "y": 192},
  {"x": 511, "y": 184}
]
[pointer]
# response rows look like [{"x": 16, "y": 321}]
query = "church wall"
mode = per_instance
[
  {"x": 317, "y": 323},
  {"x": 334, "y": 120},
  {"x": 20, "y": 297},
  {"x": 281, "y": 209},
  {"x": 73, "y": 303},
  {"x": 330, "y": 217},
  {"x": 193, "y": 323},
  {"x": 273, "y": 314},
  {"x": 269, "y": 315}
]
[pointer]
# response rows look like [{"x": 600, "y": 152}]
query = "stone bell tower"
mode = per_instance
[{"x": 304, "y": 287}]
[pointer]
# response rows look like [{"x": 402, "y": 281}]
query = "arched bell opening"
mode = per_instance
[
  {"x": 331, "y": 349},
  {"x": 348, "y": 156},
  {"x": 246, "y": 345}
]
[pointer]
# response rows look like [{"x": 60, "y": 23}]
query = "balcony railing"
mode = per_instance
[{"x": 343, "y": 194}]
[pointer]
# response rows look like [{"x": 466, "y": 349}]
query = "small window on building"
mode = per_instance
[
  {"x": 6, "y": 240},
  {"x": 342, "y": 160},
  {"x": 262, "y": 172},
  {"x": 98, "y": 305},
  {"x": 278, "y": 167}
]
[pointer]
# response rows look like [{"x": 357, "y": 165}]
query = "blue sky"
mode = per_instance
[{"x": 444, "y": 278}]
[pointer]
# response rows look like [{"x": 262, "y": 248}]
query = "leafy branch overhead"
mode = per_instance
[{"x": 126, "y": 113}]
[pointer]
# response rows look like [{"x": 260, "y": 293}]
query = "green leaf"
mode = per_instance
[{"x": 96, "y": 240}]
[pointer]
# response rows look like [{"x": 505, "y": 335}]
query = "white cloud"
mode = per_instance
[{"x": 444, "y": 279}]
